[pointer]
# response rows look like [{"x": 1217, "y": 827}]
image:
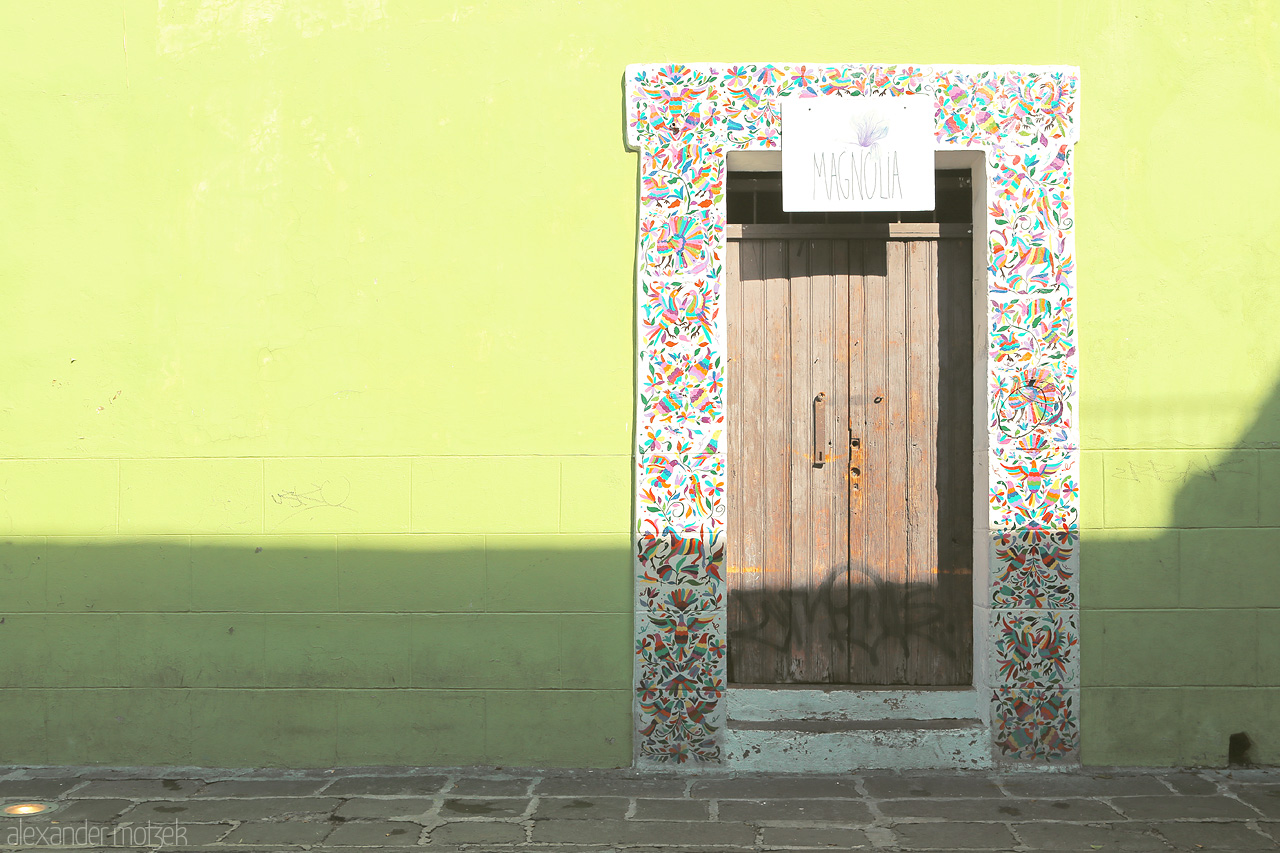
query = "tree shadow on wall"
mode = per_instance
[{"x": 1180, "y": 585}]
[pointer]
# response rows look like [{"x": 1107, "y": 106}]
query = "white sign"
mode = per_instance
[{"x": 857, "y": 153}]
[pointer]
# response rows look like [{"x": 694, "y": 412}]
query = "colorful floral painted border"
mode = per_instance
[{"x": 684, "y": 119}]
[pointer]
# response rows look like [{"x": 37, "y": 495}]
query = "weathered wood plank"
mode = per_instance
[
  {"x": 745, "y": 418},
  {"x": 895, "y": 631},
  {"x": 736, "y": 467},
  {"x": 823, "y": 524},
  {"x": 778, "y": 454},
  {"x": 955, "y": 455},
  {"x": 873, "y": 663},
  {"x": 803, "y": 352},
  {"x": 856, "y": 536},
  {"x": 927, "y": 656}
]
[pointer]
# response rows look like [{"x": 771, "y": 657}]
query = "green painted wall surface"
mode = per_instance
[{"x": 319, "y": 359}]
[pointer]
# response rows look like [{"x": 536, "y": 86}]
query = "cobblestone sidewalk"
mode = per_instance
[{"x": 439, "y": 810}]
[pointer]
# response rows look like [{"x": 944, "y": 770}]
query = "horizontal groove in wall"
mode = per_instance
[
  {"x": 260, "y": 689},
  {"x": 306, "y": 535},
  {"x": 314, "y": 456},
  {"x": 1196, "y": 609},
  {"x": 1190, "y": 686},
  {"x": 404, "y": 614},
  {"x": 1175, "y": 527}
]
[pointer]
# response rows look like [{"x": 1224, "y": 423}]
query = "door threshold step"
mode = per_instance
[
  {"x": 766, "y": 704},
  {"x": 819, "y": 726},
  {"x": 844, "y": 746}
]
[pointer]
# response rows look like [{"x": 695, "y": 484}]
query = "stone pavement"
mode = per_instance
[{"x": 473, "y": 809}]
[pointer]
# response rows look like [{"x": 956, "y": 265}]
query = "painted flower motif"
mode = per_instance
[
  {"x": 679, "y": 314},
  {"x": 869, "y": 129},
  {"x": 1033, "y": 569},
  {"x": 680, "y": 728},
  {"x": 681, "y": 653},
  {"x": 1036, "y": 725},
  {"x": 1034, "y": 489},
  {"x": 1032, "y": 404},
  {"x": 1032, "y": 330},
  {"x": 683, "y": 244},
  {"x": 1036, "y": 648}
]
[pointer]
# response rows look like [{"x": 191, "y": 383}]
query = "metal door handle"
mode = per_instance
[{"x": 820, "y": 430}]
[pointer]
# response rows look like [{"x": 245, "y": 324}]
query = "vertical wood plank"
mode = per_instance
[
  {"x": 775, "y": 615},
  {"x": 875, "y": 622},
  {"x": 836, "y": 481},
  {"x": 735, "y": 472},
  {"x": 800, "y": 515},
  {"x": 895, "y": 631},
  {"x": 857, "y": 568},
  {"x": 927, "y": 654},
  {"x": 745, "y": 419},
  {"x": 955, "y": 455},
  {"x": 824, "y": 526}
]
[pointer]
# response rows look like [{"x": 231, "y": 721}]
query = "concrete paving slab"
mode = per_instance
[
  {"x": 1082, "y": 785},
  {"x": 373, "y": 833},
  {"x": 1104, "y": 836},
  {"x": 1007, "y": 810},
  {"x": 193, "y": 835},
  {"x": 139, "y": 789},
  {"x": 1264, "y": 798},
  {"x": 281, "y": 832},
  {"x": 478, "y": 832},
  {"x": 386, "y": 785},
  {"x": 671, "y": 810},
  {"x": 754, "y": 787},
  {"x": 491, "y": 787},
  {"x": 483, "y": 808},
  {"x": 390, "y": 807},
  {"x": 582, "y": 808},
  {"x": 1157, "y": 808},
  {"x": 1189, "y": 782},
  {"x": 1198, "y": 835},
  {"x": 261, "y": 788},
  {"x": 603, "y": 783},
  {"x": 77, "y": 811},
  {"x": 629, "y": 833},
  {"x": 889, "y": 785},
  {"x": 218, "y": 811},
  {"x": 825, "y": 838},
  {"x": 831, "y": 811},
  {"x": 35, "y": 789},
  {"x": 953, "y": 836}
]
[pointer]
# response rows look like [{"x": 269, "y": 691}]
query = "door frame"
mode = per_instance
[
  {"x": 1015, "y": 128},
  {"x": 759, "y": 694}
]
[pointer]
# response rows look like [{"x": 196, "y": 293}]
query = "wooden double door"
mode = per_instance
[{"x": 850, "y": 455}]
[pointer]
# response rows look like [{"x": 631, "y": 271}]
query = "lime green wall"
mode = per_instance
[{"x": 251, "y": 248}]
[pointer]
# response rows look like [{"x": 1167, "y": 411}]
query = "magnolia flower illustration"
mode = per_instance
[{"x": 869, "y": 128}]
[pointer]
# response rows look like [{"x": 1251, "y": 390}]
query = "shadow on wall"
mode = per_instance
[
  {"x": 238, "y": 651},
  {"x": 861, "y": 630},
  {"x": 435, "y": 649},
  {"x": 1181, "y": 610}
]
